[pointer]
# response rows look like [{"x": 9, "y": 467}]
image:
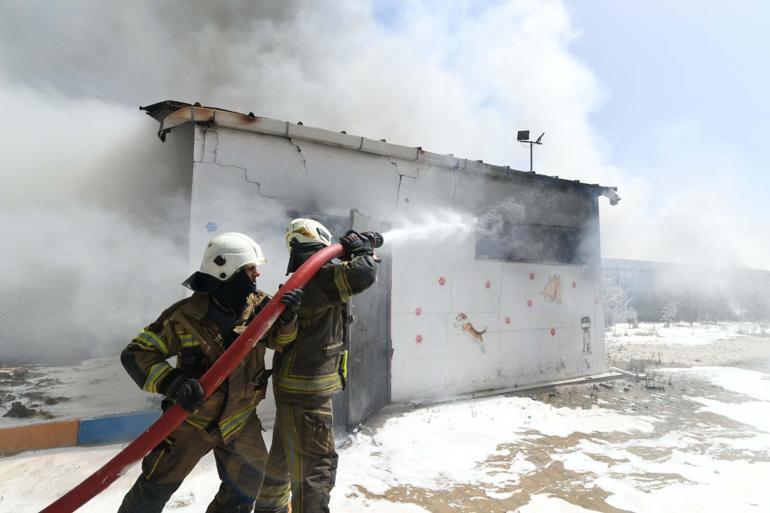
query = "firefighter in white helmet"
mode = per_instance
[
  {"x": 197, "y": 331},
  {"x": 308, "y": 370}
]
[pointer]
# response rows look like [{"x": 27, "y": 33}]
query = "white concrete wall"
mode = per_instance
[{"x": 253, "y": 183}]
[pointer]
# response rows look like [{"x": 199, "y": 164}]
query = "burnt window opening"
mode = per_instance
[{"x": 529, "y": 242}]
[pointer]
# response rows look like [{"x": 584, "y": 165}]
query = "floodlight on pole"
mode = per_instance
[{"x": 523, "y": 137}]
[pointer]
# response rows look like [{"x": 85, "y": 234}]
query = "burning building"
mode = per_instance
[{"x": 501, "y": 289}]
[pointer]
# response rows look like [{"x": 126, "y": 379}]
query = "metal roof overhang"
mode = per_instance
[{"x": 171, "y": 114}]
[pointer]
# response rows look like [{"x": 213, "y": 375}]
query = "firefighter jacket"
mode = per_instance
[
  {"x": 310, "y": 367},
  {"x": 184, "y": 331}
]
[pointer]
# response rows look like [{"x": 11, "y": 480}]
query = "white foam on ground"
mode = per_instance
[
  {"x": 749, "y": 383},
  {"x": 737, "y": 487},
  {"x": 441, "y": 446},
  {"x": 31, "y": 481},
  {"x": 360, "y": 505},
  {"x": 700, "y": 467},
  {"x": 753, "y": 413},
  {"x": 743, "y": 381},
  {"x": 680, "y": 481},
  {"x": 548, "y": 504},
  {"x": 719, "y": 478},
  {"x": 499, "y": 478}
]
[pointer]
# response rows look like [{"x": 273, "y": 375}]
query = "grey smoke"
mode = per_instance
[
  {"x": 94, "y": 221},
  {"x": 82, "y": 167},
  {"x": 140, "y": 51}
]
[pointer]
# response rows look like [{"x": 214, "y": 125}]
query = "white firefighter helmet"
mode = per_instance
[
  {"x": 224, "y": 256},
  {"x": 307, "y": 231}
]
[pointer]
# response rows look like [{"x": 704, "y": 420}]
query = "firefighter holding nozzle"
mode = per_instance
[
  {"x": 198, "y": 330},
  {"x": 309, "y": 368}
]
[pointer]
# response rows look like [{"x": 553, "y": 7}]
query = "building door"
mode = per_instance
[
  {"x": 367, "y": 333},
  {"x": 369, "y": 336}
]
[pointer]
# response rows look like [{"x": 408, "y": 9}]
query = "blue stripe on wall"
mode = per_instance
[{"x": 115, "y": 428}]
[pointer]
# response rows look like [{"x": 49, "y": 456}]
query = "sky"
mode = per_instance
[
  {"x": 664, "y": 100},
  {"x": 680, "y": 63},
  {"x": 685, "y": 105}
]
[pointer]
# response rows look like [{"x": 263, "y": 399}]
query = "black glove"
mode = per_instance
[
  {"x": 355, "y": 245},
  {"x": 292, "y": 300},
  {"x": 186, "y": 392}
]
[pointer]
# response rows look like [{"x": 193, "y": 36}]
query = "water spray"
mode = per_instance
[{"x": 434, "y": 227}]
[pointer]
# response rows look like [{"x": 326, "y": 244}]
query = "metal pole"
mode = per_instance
[{"x": 530, "y": 156}]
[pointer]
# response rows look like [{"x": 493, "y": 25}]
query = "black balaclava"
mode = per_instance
[
  {"x": 300, "y": 252},
  {"x": 229, "y": 302}
]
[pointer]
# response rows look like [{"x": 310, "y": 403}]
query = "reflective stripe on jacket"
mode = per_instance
[
  {"x": 309, "y": 366},
  {"x": 184, "y": 331}
]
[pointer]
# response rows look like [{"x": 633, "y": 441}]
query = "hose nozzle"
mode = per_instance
[{"x": 375, "y": 238}]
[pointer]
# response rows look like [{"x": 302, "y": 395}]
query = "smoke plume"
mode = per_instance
[{"x": 94, "y": 226}]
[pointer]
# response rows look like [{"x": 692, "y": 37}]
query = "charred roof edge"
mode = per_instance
[{"x": 171, "y": 114}]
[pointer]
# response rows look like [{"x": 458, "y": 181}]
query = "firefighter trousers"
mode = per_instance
[
  {"x": 302, "y": 464},
  {"x": 240, "y": 464}
]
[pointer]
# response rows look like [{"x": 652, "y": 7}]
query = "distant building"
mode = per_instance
[
  {"x": 659, "y": 291},
  {"x": 514, "y": 301}
]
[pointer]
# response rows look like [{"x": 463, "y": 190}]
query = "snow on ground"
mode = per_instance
[
  {"x": 546, "y": 504},
  {"x": 93, "y": 388},
  {"x": 511, "y": 452},
  {"x": 742, "y": 345},
  {"x": 755, "y": 413},
  {"x": 446, "y": 444},
  {"x": 433, "y": 447},
  {"x": 684, "y": 334},
  {"x": 597, "y": 459},
  {"x": 752, "y": 383},
  {"x": 701, "y": 443}
]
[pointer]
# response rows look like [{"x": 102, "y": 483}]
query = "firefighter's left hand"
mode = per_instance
[{"x": 292, "y": 299}]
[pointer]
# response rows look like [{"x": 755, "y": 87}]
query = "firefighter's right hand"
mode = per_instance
[
  {"x": 187, "y": 393},
  {"x": 354, "y": 244}
]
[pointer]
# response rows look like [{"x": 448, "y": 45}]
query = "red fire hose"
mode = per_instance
[{"x": 210, "y": 381}]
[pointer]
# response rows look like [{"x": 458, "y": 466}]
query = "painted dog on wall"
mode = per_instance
[{"x": 463, "y": 323}]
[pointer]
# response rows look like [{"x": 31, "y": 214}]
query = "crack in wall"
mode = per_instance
[
  {"x": 246, "y": 178},
  {"x": 301, "y": 155},
  {"x": 203, "y": 146},
  {"x": 241, "y": 168},
  {"x": 216, "y": 145},
  {"x": 394, "y": 164},
  {"x": 398, "y": 191},
  {"x": 401, "y": 177}
]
